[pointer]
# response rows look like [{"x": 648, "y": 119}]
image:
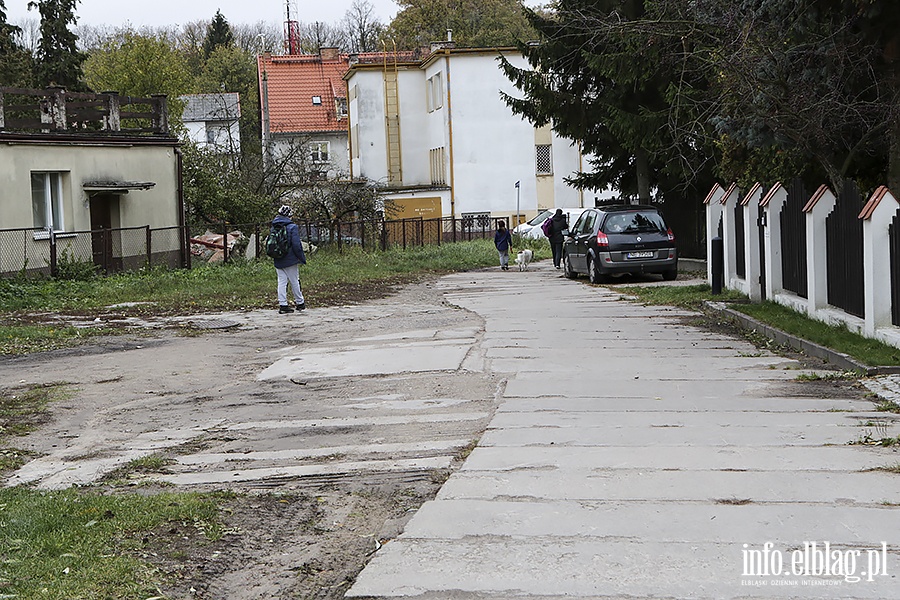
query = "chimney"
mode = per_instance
[
  {"x": 449, "y": 35},
  {"x": 329, "y": 53}
]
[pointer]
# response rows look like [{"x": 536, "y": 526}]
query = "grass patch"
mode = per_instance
[
  {"x": 886, "y": 469},
  {"x": 21, "y": 339},
  {"x": 838, "y": 376},
  {"x": 464, "y": 452},
  {"x": 691, "y": 297},
  {"x": 22, "y": 410},
  {"x": 145, "y": 465},
  {"x": 330, "y": 277},
  {"x": 865, "y": 350},
  {"x": 868, "y": 351},
  {"x": 887, "y": 406},
  {"x": 72, "y": 544}
]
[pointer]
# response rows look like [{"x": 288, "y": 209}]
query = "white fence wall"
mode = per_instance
[{"x": 763, "y": 277}]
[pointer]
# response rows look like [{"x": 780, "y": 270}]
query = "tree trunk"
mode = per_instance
[
  {"x": 892, "y": 58},
  {"x": 642, "y": 172}
]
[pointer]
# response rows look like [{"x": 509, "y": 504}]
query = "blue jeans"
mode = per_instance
[{"x": 504, "y": 258}]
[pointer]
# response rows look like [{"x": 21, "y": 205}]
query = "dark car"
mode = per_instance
[{"x": 619, "y": 239}]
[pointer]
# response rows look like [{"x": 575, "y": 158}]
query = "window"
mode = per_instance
[
  {"x": 436, "y": 160},
  {"x": 340, "y": 106},
  {"x": 317, "y": 100},
  {"x": 46, "y": 200},
  {"x": 543, "y": 156},
  {"x": 434, "y": 93},
  {"x": 589, "y": 219},
  {"x": 319, "y": 152},
  {"x": 438, "y": 89}
]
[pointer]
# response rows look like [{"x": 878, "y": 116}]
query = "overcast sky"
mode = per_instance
[{"x": 176, "y": 12}]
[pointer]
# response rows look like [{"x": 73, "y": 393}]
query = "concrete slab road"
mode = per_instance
[{"x": 637, "y": 456}]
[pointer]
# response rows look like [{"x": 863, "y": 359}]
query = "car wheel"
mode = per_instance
[
  {"x": 670, "y": 275},
  {"x": 567, "y": 268},
  {"x": 594, "y": 273}
]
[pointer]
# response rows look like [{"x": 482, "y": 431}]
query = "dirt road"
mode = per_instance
[{"x": 334, "y": 425}]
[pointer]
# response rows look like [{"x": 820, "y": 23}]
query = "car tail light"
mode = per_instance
[
  {"x": 671, "y": 235},
  {"x": 602, "y": 240}
]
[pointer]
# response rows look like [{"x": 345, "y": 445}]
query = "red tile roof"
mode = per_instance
[{"x": 293, "y": 81}]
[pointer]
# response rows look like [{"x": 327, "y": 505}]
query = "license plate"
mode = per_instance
[{"x": 640, "y": 255}]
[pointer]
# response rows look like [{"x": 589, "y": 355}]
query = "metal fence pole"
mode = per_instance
[
  {"x": 718, "y": 265},
  {"x": 105, "y": 235},
  {"x": 149, "y": 242},
  {"x": 54, "y": 267},
  {"x": 186, "y": 247},
  {"x": 225, "y": 242}
]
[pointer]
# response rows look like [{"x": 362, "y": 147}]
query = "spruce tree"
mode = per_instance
[
  {"x": 218, "y": 35},
  {"x": 58, "y": 59},
  {"x": 15, "y": 62},
  {"x": 604, "y": 84}
]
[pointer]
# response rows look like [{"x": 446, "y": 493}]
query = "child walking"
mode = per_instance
[{"x": 503, "y": 242}]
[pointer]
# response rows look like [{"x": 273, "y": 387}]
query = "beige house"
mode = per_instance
[{"x": 89, "y": 178}]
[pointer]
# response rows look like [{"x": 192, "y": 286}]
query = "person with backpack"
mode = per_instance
[
  {"x": 503, "y": 242},
  {"x": 554, "y": 230},
  {"x": 286, "y": 250}
]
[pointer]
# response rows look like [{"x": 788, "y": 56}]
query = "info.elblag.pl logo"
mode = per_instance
[{"x": 814, "y": 561}]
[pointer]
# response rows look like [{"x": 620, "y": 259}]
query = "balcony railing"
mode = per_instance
[{"x": 55, "y": 110}]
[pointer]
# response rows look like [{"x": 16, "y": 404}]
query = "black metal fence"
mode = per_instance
[
  {"x": 740, "y": 258},
  {"x": 31, "y": 252},
  {"x": 793, "y": 239},
  {"x": 894, "y": 236},
  {"x": 844, "y": 243}
]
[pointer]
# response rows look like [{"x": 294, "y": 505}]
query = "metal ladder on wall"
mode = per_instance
[{"x": 392, "y": 117}]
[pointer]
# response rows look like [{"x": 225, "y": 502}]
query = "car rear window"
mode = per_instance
[{"x": 644, "y": 221}]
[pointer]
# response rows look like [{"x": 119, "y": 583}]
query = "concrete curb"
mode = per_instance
[
  {"x": 693, "y": 264},
  {"x": 838, "y": 359}
]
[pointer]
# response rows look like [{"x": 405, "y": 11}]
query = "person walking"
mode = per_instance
[
  {"x": 558, "y": 224},
  {"x": 503, "y": 242},
  {"x": 287, "y": 267}
]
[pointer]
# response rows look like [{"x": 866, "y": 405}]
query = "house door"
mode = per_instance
[{"x": 101, "y": 226}]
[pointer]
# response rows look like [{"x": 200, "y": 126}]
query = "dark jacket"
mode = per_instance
[
  {"x": 558, "y": 224},
  {"x": 503, "y": 240},
  {"x": 296, "y": 255}
]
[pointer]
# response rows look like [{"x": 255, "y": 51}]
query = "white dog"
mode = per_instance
[{"x": 523, "y": 258}]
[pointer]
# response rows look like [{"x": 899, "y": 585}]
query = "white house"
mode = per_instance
[
  {"x": 212, "y": 120},
  {"x": 437, "y": 136}
]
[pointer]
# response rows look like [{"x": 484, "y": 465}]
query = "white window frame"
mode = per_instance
[
  {"x": 319, "y": 152},
  {"x": 434, "y": 93},
  {"x": 341, "y": 108},
  {"x": 438, "y": 89},
  {"x": 50, "y": 212}
]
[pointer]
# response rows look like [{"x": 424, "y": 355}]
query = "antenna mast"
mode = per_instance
[{"x": 291, "y": 31}]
